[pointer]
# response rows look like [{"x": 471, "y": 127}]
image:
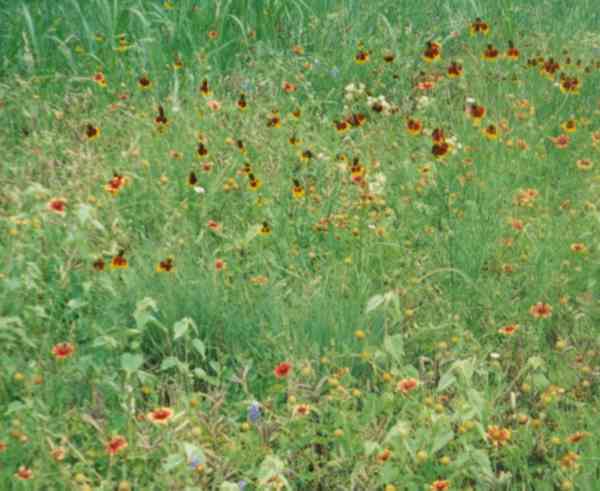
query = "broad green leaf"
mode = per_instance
[
  {"x": 446, "y": 380},
  {"x": 374, "y": 302},
  {"x": 536, "y": 362},
  {"x": 173, "y": 460},
  {"x": 400, "y": 431},
  {"x": 169, "y": 362},
  {"x": 394, "y": 345},
  {"x": 540, "y": 382},
  {"x": 443, "y": 435},
  {"x": 131, "y": 362},
  {"x": 477, "y": 402},
  {"x": 143, "y": 312},
  {"x": 200, "y": 347},
  {"x": 370, "y": 447},
  {"x": 182, "y": 326},
  {"x": 465, "y": 369}
]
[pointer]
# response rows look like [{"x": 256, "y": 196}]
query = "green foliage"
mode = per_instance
[{"x": 438, "y": 316}]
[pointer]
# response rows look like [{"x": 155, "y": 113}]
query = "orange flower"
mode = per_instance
[
  {"x": 100, "y": 79},
  {"x": 549, "y": 68},
  {"x": 479, "y": 27},
  {"x": 509, "y": 330},
  {"x": 115, "y": 184},
  {"x": 414, "y": 126},
  {"x": 215, "y": 226},
  {"x": 99, "y": 264},
  {"x": 438, "y": 136},
  {"x": 165, "y": 266},
  {"x": 541, "y": 310},
  {"x": 212, "y": 35},
  {"x": 361, "y": 57},
  {"x": 57, "y": 205},
  {"x": 161, "y": 120},
  {"x": 302, "y": 410},
  {"x": 24, "y": 473},
  {"x": 561, "y": 141},
  {"x": 569, "y": 126},
  {"x": 92, "y": 132},
  {"x": 220, "y": 265},
  {"x": 214, "y": 105},
  {"x": 384, "y": 455},
  {"x": 144, "y": 83},
  {"x": 433, "y": 52},
  {"x": 578, "y": 248},
  {"x": 341, "y": 126},
  {"x": 241, "y": 103},
  {"x": 356, "y": 120},
  {"x": 490, "y": 53},
  {"x": 526, "y": 197},
  {"x": 116, "y": 444},
  {"x": 407, "y": 385},
  {"x": 274, "y": 121},
  {"x": 570, "y": 85},
  {"x": 498, "y": 436},
  {"x": 264, "y": 230},
  {"x": 512, "y": 53},
  {"x": 63, "y": 350},
  {"x": 441, "y": 150},
  {"x": 119, "y": 261},
  {"x": 491, "y": 132},
  {"x": 160, "y": 416},
  {"x": 297, "y": 190},
  {"x": 584, "y": 164},
  {"x": 476, "y": 112},
  {"x": 58, "y": 454},
  {"x": 439, "y": 485},
  {"x": 306, "y": 155},
  {"x": 455, "y": 70},
  {"x": 201, "y": 151},
  {"x": 577, "y": 437},
  {"x": 288, "y": 87},
  {"x": 254, "y": 184},
  {"x": 569, "y": 460},
  {"x": 426, "y": 85},
  {"x": 204, "y": 89}
]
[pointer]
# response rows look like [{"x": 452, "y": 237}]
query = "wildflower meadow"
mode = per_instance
[{"x": 300, "y": 245}]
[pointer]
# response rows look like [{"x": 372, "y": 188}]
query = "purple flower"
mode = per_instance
[
  {"x": 242, "y": 485},
  {"x": 254, "y": 412}
]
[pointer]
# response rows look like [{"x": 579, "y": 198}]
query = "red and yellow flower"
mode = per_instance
[
  {"x": 479, "y": 27},
  {"x": 63, "y": 350},
  {"x": 160, "y": 416},
  {"x": 541, "y": 310},
  {"x": 57, "y": 205},
  {"x": 433, "y": 52},
  {"x": 116, "y": 444}
]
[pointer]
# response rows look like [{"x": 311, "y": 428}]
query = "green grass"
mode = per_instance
[{"x": 408, "y": 272}]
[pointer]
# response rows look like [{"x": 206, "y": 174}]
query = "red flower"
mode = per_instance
[
  {"x": 541, "y": 310},
  {"x": 63, "y": 350},
  {"x": 220, "y": 265},
  {"x": 57, "y": 205},
  {"x": 160, "y": 416},
  {"x": 406, "y": 385},
  {"x": 116, "y": 444},
  {"x": 283, "y": 369},
  {"x": 24, "y": 473}
]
